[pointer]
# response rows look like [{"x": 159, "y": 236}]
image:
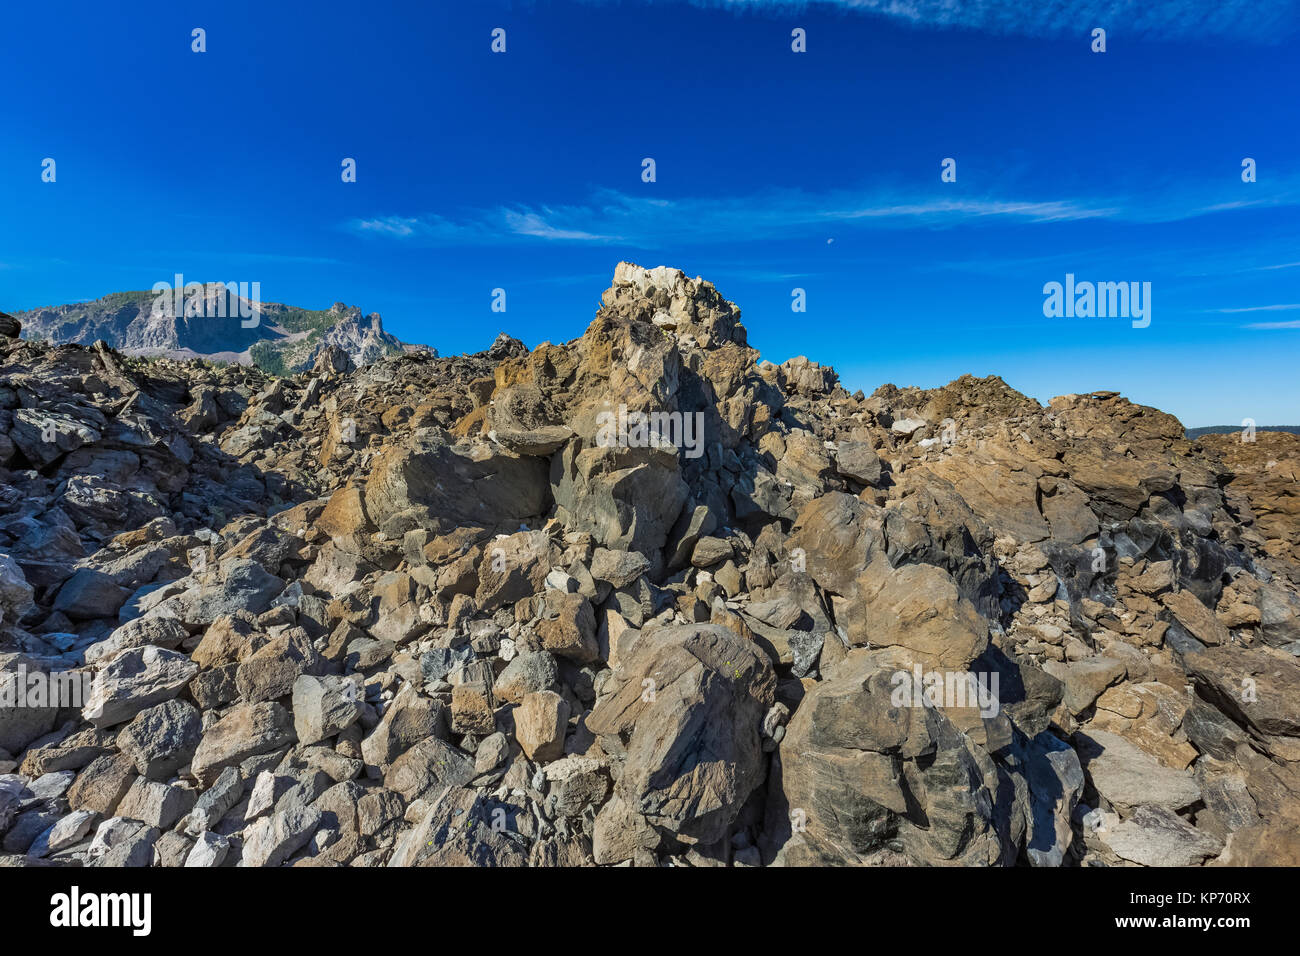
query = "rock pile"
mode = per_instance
[{"x": 641, "y": 598}]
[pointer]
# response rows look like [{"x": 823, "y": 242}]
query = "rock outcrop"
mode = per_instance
[{"x": 640, "y": 599}]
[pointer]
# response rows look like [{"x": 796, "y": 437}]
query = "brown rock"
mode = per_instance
[{"x": 540, "y": 722}]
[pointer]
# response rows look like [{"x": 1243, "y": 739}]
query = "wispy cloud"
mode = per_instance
[
  {"x": 1053, "y": 211},
  {"x": 610, "y": 216},
  {"x": 1236, "y": 270},
  {"x": 1262, "y": 308},
  {"x": 1290, "y": 324},
  {"x": 532, "y": 224},
  {"x": 1284, "y": 307},
  {"x": 1268, "y": 22},
  {"x": 401, "y": 227}
]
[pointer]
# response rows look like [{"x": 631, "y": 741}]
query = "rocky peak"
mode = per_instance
[
  {"x": 643, "y": 597},
  {"x": 504, "y": 347},
  {"x": 691, "y": 310}
]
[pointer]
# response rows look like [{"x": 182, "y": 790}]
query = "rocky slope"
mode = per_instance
[
  {"x": 467, "y": 611},
  {"x": 217, "y": 326}
]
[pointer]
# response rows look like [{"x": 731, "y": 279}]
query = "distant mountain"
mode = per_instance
[
  {"x": 1227, "y": 429},
  {"x": 219, "y": 325}
]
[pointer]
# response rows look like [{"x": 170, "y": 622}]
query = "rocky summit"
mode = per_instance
[{"x": 636, "y": 599}]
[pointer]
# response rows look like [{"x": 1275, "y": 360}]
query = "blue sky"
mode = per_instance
[{"x": 775, "y": 170}]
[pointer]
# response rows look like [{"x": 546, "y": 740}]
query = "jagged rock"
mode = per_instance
[
  {"x": 209, "y": 850},
  {"x": 708, "y": 693},
  {"x": 243, "y": 731},
  {"x": 272, "y": 670},
  {"x": 430, "y": 764},
  {"x": 1256, "y": 687},
  {"x": 165, "y": 632},
  {"x": 568, "y": 627},
  {"x": 859, "y": 461},
  {"x": 519, "y": 420},
  {"x": 332, "y": 360},
  {"x": 626, "y": 498},
  {"x": 409, "y": 719},
  {"x": 639, "y": 598},
  {"x": 323, "y": 706},
  {"x": 526, "y": 674},
  {"x": 162, "y": 739},
  {"x": 448, "y": 485},
  {"x": 1196, "y": 617},
  {"x": 69, "y": 831},
  {"x": 1055, "y": 781},
  {"x": 620, "y": 832},
  {"x": 15, "y": 591},
  {"x": 618, "y": 568},
  {"x": 540, "y": 722},
  {"x": 272, "y": 840},
  {"x": 89, "y": 594},
  {"x": 917, "y": 607},
  {"x": 215, "y": 802},
  {"x": 20, "y": 722},
  {"x": 103, "y": 784},
  {"x": 858, "y": 774},
  {"x": 157, "y": 804},
  {"x": 458, "y": 830},
  {"x": 120, "y": 842},
  {"x": 471, "y": 709},
  {"x": 1084, "y": 681},
  {"x": 239, "y": 584},
  {"x": 1156, "y": 836},
  {"x": 134, "y": 681},
  {"x": 1127, "y": 777}
]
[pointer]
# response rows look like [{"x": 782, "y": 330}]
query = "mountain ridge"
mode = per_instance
[{"x": 216, "y": 326}]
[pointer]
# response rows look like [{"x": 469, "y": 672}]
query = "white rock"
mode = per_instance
[
  {"x": 67, "y": 832},
  {"x": 209, "y": 850},
  {"x": 908, "y": 426}
]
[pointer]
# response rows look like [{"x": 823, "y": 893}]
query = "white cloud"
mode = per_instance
[
  {"x": 1262, "y": 308},
  {"x": 981, "y": 208},
  {"x": 610, "y": 216},
  {"x": 390, "y": 226},
  {"x": 532, "y": 224},
  {"x": 1268, "y": 22},
  {"x": 1287, "y": 307}
]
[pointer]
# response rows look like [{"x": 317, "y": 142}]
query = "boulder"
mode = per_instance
[
  {"x": 861, "y": 777},
  {"x": 242, "y": 732},
  {"x": 162, "y": 739},
  {"x": 687, "y": 707},
  {"x": 136, "y": 680}
]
